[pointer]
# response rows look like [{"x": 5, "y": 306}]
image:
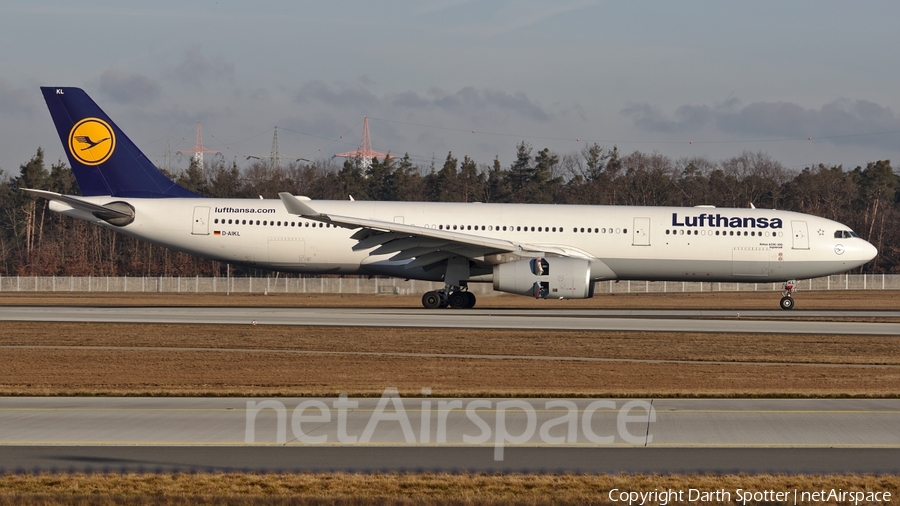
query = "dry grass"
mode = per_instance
[
  {"x": 342, "y": 488},
  {"x": 129, "y": 359}
]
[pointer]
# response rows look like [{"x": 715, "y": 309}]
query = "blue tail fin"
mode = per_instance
[{"x": 104, "y": 160}]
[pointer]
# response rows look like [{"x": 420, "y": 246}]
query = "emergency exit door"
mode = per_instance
[
  {"x": 801, "y": 234},
  {"x": 641, "y": 232},
  {"x": 201, "y": 221}
]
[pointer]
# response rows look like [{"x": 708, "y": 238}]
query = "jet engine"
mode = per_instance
[{"x": 554, "y": 277}]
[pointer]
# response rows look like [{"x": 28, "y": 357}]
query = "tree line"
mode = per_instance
[{"x": 37, "y": 241}]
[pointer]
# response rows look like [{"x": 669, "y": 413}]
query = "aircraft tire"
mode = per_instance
[
  {"x": 471, "y": 300},
  {"x": 431, "y": 300},
  {"x": 787, "y": 303},
  {"x": 459, "y": 300}
]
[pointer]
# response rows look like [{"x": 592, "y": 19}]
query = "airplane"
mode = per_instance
[{"x": 541, "y": 251}]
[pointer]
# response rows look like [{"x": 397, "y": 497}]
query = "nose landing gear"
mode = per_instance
[{"x": 787, "y": 302}]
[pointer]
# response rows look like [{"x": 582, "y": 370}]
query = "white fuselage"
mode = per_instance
[{"x": 638, "y": 243}]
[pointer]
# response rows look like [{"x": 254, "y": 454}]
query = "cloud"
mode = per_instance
[
  {"x": 15, "y": 101},
  {"x": 411, "y": 100},
  {"x": 196, "y": 68},
  {"x": 337, "y": 95},
  {"x": 842, "y": 121},
  {"x": 687, "y": 118},
  {"x": 320, "y": 128},
  {"x": 129, "y": 89},
  {"x": 468, "y": 100},
  {"x": 471, "y": 100}
]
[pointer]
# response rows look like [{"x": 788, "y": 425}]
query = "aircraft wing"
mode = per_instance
[{"x": 427, "y": 246}]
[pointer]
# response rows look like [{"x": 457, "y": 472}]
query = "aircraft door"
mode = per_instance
[
  {"x": 641, "y": 232},
  {"x": 801, "y": 234},
  {"x": 201, "y": 221}
]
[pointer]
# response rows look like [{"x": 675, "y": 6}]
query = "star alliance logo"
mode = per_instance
[{"x": 91, "y": 141}]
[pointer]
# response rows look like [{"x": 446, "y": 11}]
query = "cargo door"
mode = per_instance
[
  {"x": 750, "y": 262},
  {"x": 287, "y": 250}
]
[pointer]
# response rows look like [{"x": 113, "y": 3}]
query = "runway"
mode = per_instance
[
  {"x": 431, "y": 434},
  {"x": 778, "y": 322}
]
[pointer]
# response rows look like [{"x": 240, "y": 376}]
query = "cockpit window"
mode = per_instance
[{"x": 844, "y": 234}]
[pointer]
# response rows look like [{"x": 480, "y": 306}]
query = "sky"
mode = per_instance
[{"x": 806, "y": 82}]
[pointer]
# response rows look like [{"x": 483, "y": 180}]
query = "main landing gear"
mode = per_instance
[
  {"x": 455, "y": 292},
  {"x": 455, "y": 298},
  {"x": 787, "y": 302}
]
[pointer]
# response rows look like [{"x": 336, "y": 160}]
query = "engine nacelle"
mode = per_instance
[{"x": 541, "y": 278}]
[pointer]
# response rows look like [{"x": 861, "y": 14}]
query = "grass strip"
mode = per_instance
[{"x": 397, "y": 488}]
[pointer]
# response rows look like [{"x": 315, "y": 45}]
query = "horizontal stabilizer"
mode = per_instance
[{"x": 101, "y": 212}]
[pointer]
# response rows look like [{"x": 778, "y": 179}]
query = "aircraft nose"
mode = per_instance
[
  {"x": 868, "y": 251},
  {"x": 860, "y": 251}
]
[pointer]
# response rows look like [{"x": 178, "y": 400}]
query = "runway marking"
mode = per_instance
[{"x": 452, "y": 355}]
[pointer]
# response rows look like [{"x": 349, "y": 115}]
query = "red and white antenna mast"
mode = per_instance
[
  {"x": 365, "y": 153},
  {"x": 198, "y": 148}
]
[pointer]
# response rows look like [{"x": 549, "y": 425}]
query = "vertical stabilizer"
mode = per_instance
[{"x": 104, "y": 160}]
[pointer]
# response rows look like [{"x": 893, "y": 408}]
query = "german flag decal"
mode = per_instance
[{"x": 217, "y": 232}]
